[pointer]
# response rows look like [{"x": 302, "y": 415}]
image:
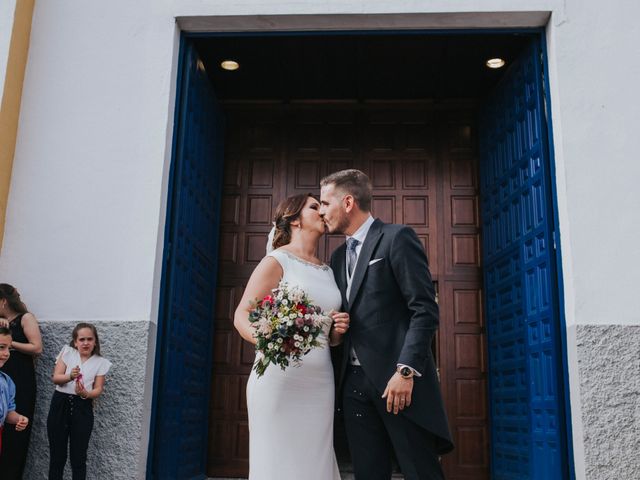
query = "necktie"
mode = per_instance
[{"x": 352, "y": 257}]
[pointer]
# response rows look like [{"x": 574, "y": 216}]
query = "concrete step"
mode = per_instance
[{"x": 344, "y": 476}]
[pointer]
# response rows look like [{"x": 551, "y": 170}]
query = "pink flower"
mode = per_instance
[{"x": 267, "y": 300}]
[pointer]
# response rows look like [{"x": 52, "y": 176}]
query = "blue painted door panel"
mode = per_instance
[
  {"x": 525, "y": 367},
  {"x": 180, "y": 429}
]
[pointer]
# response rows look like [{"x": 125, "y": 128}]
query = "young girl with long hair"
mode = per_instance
[{"x": 79, "y": 377}]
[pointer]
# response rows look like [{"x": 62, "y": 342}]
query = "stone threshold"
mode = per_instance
[{"x": 344, "y": 476}]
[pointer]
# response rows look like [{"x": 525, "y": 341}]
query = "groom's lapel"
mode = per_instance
[
  {"x": 373, "y": 237},
  {"x": 341, "y": 272}
]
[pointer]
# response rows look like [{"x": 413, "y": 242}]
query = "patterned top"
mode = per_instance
[{"x": 7, "y": 397}]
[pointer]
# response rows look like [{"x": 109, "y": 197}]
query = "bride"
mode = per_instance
[{"x": 291, "y": 411}]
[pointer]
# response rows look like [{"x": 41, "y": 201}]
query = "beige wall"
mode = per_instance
[{"x": 16, "y": 60}]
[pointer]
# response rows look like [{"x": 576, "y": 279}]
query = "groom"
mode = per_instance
[{"x": 388, "y": 383}]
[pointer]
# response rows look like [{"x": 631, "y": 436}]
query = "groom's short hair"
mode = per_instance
[{"x": 355, "y": 183}]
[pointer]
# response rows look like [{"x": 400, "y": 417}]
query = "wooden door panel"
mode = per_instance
[
  {"x": 400, "y": 157},
  {"x": 462, "y": 329},
  {"x": 423, "y": 170},
  {"x": 463, "y": 377}
]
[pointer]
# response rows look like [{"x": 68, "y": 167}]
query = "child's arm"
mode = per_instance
[
  {"x": 95, "y": 392},
  {"x": 60, "y": 377},
  {"x": 20, "y": 420}
]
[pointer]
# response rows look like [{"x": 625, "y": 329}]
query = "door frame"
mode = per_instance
[{"x": 532, "y": 23}]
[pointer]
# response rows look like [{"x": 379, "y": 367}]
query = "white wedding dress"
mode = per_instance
[{"x": 291, "y": 411}]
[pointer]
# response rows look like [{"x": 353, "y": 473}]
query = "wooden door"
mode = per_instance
[{"x": 422, "y": 164}]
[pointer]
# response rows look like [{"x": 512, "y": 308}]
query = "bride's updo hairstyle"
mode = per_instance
[{"x": 288, "y": 211}]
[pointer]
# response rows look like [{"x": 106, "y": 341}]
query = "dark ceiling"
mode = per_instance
[{"x": 410, "y": 66}]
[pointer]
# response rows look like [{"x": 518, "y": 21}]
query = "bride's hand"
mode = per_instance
[{"x": 340, "y": 322}]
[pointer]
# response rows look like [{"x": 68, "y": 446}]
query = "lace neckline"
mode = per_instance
[{"x": 303, "y": 261}]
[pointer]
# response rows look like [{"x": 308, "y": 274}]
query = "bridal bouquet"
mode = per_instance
[{"x": 287, "y": 327}]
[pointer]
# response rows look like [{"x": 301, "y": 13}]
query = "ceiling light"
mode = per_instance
[
  {"x": 230, "y": 65},
  {"x": 495, "y": 63}
]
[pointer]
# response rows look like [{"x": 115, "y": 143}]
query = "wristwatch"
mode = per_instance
[{"x": 405, "y": 372}]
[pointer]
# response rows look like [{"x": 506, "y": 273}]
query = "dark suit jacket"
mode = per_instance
[{"x": 394, "y": 317}]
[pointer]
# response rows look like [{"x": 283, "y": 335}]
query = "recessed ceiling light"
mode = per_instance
[
  {"x": 495, "y": 63},
  {"x": 230, "y": 65}
]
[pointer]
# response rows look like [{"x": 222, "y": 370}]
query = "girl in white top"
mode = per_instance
[{"x": 79, "y": 378}]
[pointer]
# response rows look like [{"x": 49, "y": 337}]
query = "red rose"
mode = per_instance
[{"x": 268, "y": 299}]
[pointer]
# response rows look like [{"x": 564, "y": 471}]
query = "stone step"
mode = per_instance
[{"x": 344, "y": 476}]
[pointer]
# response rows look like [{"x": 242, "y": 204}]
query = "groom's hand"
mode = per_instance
[
  {"x": 398, "y": 393},
  {"x": 340, "y": 322}
]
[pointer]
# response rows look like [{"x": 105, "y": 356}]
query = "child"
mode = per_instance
[
  {"x": 79, "y": 377},
  {"x": 8, "y": 389}
]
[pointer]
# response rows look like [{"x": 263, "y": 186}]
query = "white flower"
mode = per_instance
[
  {"x": 279, "y": 314},
  {"x": 290, "y": 322},
  {"x": 292, "y": 315},
  {"x": 305, "y": 328},
  {"x": 279, "y": 340},
  {"x": 296, "y": 344},
  {"x": 296, "y": 295},
  {"x": 263, "y": 327},
  {"x": 307, "y": 316},
  {"x": 270, "y": 345},
  {"x": 285, "y": 302}
]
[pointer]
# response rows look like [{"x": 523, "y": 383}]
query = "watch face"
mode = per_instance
[{"x": 405, "y": 371}]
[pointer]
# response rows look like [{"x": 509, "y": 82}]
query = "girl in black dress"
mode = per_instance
[{"x": 26, "y": 344}]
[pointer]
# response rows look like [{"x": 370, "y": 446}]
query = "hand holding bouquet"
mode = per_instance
[{"x": 287, "y": 327}]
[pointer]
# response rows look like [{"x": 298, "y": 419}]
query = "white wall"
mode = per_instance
[
  {"x": 86, "y": 208},
  {"x": 596, "y": 106}
]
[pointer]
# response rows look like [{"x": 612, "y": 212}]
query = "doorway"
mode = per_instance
[
  {"x": 423, "y": 169},
  {"x": 415, "y": 131}
]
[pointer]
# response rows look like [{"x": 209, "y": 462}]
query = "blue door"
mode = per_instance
[
  {"x": 178, "y": 446},
  {"x": 525, "y": 364}
]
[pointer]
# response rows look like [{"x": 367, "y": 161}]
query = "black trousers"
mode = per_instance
[
  {"x": 69, "y": 424},
  {"x": 372, "y": 433}
]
